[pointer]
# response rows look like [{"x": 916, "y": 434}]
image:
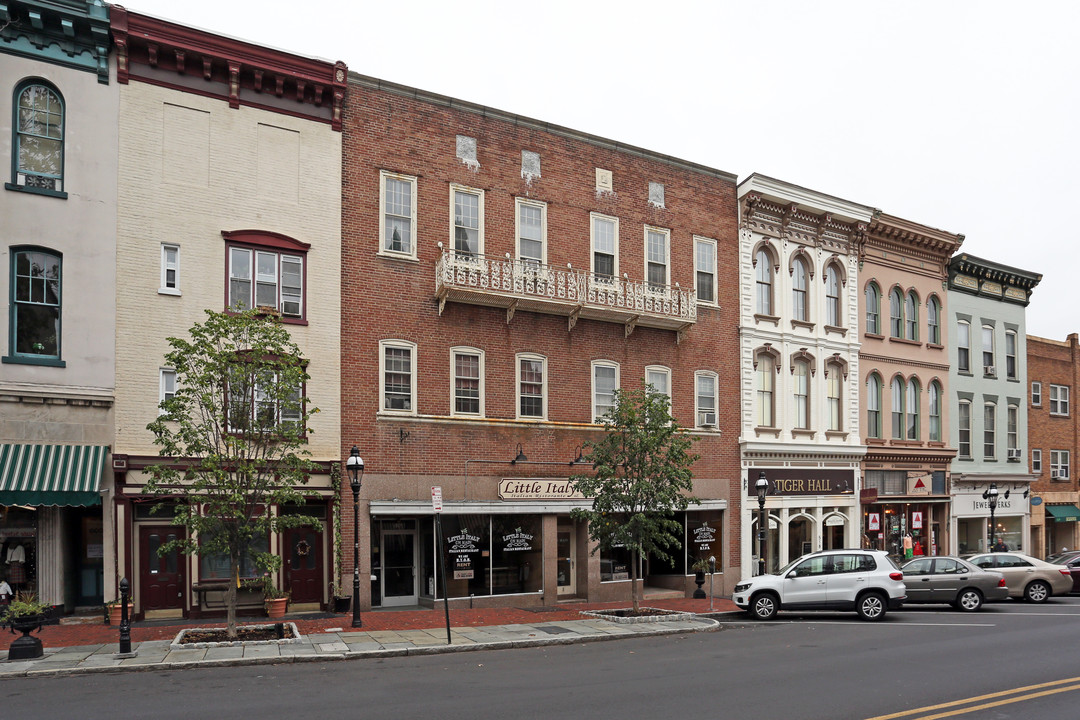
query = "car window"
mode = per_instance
[
  {"x": 918, "y": 567},
  {"x": 814, "y": 566},
  {"x": 1075, "y": 562},
  {"x": 1008, "y": 561},
  {"x": 984, "y": 561},
  {"x": 948, "y": 566},
  {"x": 867, "y": 563}
]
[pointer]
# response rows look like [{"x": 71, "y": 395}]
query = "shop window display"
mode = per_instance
[
  {"x": 492, "y": 554},
  {"x": 18, "y": 548}
]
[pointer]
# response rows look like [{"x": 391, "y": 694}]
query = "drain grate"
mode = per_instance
[{"x": 554, "y": 629}]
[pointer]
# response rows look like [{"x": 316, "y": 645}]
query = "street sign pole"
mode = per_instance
[{"x": 436, "y": 504}]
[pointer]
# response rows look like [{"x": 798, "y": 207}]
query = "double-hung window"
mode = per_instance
[
  {"x": 1036, "y": 461},
  {"x": 467, "y": 366},
  {"x": 832, "y": 297},
  {"x": 1012, "y": 422},
  {"x": 963, "y": 346},
  {"x": 266, "y": 270},
  {"x": 1059, "y": 465},
  {"x": 835, "y": 386},
  {"x": 989, "y": 431},
  {"x": 1059, "y": 399},
  {"x": 988, "y": 350},
  {"x": 896, "y": 313},
  {"x": 705, "y": 269},
  {"x": 765, "y": 384},
  {"x": 963, "y": 423},
  {"x": 801, "y": 381},
  {"x": 34, "y": 320},
  {"x": 873, "y": 406},
  {"x": 166, "y": 385},
  {"x": 911, "y": 316},
  {"x": 467, "y": 220},
  {"x": 799, "y": 287},
  {"x": 1010, "y": 355},
  {"x": 933, "y": 322},
  {"x": 532, "y": 232},
  {"x": 605, "y": 247},
  {"x": 257, "y": 401},
  {"x": 38, "y": 139},
  {"x": 657, "y": 258},
  {"x": 705, "y": 398},
  {"x": 873, "y": 310},
  {"x": 934, "y": 411},
  {"x": 763, "y": 284},
  {"x": 397, "y": 214},
  {"x": 1036, "y": 394},
  {"x": 605, "y": 377},
  {"x": 532, "y": 386},
  {"x": 397, "y": 372},
  {"x": 659, "y": 378},
  {"x": 170, "y": 269},
  {"x": 898, "y": 415},
  {"x": 913, "y": 409}
]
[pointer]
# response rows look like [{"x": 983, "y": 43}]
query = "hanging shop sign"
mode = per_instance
[
  {"x": 873, "y": 521},
  {"x": 538, "y": 489},
  {"x": 797, "y": 481},
  {"x": 919, "y": 485}
]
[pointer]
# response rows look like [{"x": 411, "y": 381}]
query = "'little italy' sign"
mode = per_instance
[{"x": 538, "y": 489}]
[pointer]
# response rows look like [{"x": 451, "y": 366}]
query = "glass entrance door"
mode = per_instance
[
  {"x": 399, "y": 568},
  {"x": 565, "y": 567}
]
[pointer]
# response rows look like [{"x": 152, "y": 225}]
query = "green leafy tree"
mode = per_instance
[
  {"x": 641, "y": 478},
  {"x": 234, "y": 434}
]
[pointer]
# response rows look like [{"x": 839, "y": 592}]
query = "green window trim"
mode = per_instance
[{"x": 37, "y": 138}]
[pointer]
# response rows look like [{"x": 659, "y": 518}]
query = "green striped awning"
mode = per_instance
[
  {"x": 50, "y": 474},
  {"x": 1064, "y": 513}
]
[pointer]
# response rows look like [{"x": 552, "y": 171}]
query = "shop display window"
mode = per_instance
[{"x": 492, "y": 554}]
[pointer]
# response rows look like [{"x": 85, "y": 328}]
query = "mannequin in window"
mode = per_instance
[{"x": 16, "y": 557}]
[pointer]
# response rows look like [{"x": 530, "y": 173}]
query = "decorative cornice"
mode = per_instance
[
  {"x": 153, "y": 50},
  {"x": 898, "y": 234},
  {"x": 72, "y": 33},
  {"x": 977, "y": 276}
]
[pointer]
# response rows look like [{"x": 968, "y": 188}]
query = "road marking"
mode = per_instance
[{"x": 961, "y": 711}]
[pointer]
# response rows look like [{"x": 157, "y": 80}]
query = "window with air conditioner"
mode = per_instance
[
  {"x": 266, "y": 270},
  {"x": 1059, "y": 465},
  {"x": 705, "y": 398}
]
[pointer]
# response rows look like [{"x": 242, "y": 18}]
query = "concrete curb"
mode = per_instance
[{"x": 706, "y": 625}]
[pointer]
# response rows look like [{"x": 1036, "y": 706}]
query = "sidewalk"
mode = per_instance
[{"x": 85, "y": 648}]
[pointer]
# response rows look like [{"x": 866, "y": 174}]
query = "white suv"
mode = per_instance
[{"x": 866, "y": 581}]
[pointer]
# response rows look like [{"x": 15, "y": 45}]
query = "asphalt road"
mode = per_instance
[{"x": 1012, "y": 660}]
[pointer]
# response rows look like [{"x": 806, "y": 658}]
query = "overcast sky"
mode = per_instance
[{"x": 961, "y": 115}]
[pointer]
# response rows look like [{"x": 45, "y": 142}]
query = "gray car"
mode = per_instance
[
  {"x": 1027, "y": 577},
  {"x": 952, "y": 580}
]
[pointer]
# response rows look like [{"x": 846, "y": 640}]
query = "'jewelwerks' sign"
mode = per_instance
[{"x": 538, "y": 489}]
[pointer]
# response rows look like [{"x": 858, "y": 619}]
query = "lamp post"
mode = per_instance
[
  {"x": 355, "y": 466},
  {"x": 762, "y": 488},
  {"x": 992, "y": 499}
]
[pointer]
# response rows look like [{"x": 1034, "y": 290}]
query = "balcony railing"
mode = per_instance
[{"x": 525, "y": 285}]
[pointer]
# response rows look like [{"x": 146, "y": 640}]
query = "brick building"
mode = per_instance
[
  {"x": 1053, "y": 371},
  {"x": 501, "y": 276}
]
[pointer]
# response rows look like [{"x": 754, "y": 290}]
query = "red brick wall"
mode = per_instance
[
  {"x": 1057, "y": 363},
  {"x": 395, "y": 299}
]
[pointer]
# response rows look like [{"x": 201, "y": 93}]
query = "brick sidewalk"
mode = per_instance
[{"x": 67, "y": 635}]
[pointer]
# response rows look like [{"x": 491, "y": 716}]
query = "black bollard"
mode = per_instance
[{"x": 125, "y": 624}]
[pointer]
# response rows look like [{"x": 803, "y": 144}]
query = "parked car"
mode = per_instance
[
  {"x": 866, "y": 581},
  {"x": 1029, "y": 578},
  {"x": 1071, "y": 560},
  {"x": 951, "y": 580}
]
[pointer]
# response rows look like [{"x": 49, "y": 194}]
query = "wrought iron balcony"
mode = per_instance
[{"x": 525, "y": 285}]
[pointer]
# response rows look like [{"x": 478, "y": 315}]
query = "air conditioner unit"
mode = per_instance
[
  {"x": 989, "y": 370},
  {"x": 708, "y": 419},
  {"x": 1015, "y": 453},
  {"x": 1055, "y": 474}
]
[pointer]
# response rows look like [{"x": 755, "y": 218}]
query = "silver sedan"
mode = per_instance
[
  {"x": 1029, "y": 578},
  {"x": 951, "y": 580}
]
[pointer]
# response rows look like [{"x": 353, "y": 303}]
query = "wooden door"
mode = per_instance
[
  {"x": 161, "y": 577},
  {"x": 303, "y": 564}
]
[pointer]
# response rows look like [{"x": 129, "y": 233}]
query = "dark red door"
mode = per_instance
[
  {"x": 303, "y": 565},
  {"x": 161, "y": 576}
]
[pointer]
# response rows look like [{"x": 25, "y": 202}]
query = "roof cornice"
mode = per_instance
[{"x": 898, "y": 231}]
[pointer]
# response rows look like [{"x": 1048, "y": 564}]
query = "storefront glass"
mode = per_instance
[
  {"x": 490, "y": 555},
  {"x": 18, "y": 548}
]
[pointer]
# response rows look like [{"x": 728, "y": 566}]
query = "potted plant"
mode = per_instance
[
  {"x": 341, "y": 597},
  {"x": 115, "y": 610},
  {"x": 25, "y": 614},
  {"x": 276, "y": 599},
  {"x": 700, "y": 567}
]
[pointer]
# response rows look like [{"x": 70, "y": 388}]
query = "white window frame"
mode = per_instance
[
  {"x": 384, "y": 176},
  {"x": 593, "y": 217},
  {"x": 874, "y": 386},
  {"x": 254, "y": 279},
  {"x": 1059, "y": 400},
  {"x": 898, "y": 414},
  {"x": 963, "y": 327},
  {"x": 872, "y": 299},
  {"x": 164, "y": 374},
  {"x": 466, "y": 350},
  {"x": 934, "y": 396},
  {"x": 800, "y": 290},
  {"x": 1060, "y": 464},
  {"x": 1012, "y": 425},
  {"x": 912, "y": 408},
  {"x": 164, "y": 288},
  {"x": 542, "y": 207},
  {"x": 911, "y": 316},
  {"x": 667, "y": 259},
  {"x": 1036, "y": 393},
  {"x": 1036, "y": 461},
  {"x": 989, "y": 432},
  {"x": 765, "y": 398},
  {"x": 711, "y": 271},
  {"x": 384, "y": 345},
  {"x": 933, "y": 321},
  {"x": 798, "y": 421},
  {"x": 992, "y": 351},
  {"x": 961, "y": 429},
  {"x": 1012, "y": 368},
  {"x": 454, "y": 189},
  {"x": 698, "y": 410},
  {"x": 596, "y": 414},
  {"x": 834, "y": 303},
  {"x": 517, "y": 386},
  {"x": 764, "y": 284},
  {"x": 834, "y": 402},
  {"x": 664, "y": 371}
]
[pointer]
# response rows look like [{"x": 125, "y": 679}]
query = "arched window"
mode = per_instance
[
  {"x": 38, "y": 137},
  {"x": 765, "y": 380},
  {"x": 35, "y": 306},
  {"x": 763, "y": 274},
  {"x": 873, "y": 406},
  {"x": 898, "y": 409},
  {"x": 832, "y": 297},
  {"x": 873, "y": 309},
  {"x": 896, "y": 313},
  {"x": 933, "y": 322},
  {"x": 835, "y": 386},
  {"x": 911, "y": 316},
  {"x": 934, "y": 411},
  {"x": 912, "y": 409},
  {"x": 798, "y": 290},
  {"x": 802, "y": 394}
]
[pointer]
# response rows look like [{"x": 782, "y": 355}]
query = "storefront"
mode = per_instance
[
  {"x": 906, "y": 513},
  {"x": 972, "y": 516}
]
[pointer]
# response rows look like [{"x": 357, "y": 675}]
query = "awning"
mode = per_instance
[
  {"x": 1064, "y": 513},
  {"x": 51, "y": 474}
]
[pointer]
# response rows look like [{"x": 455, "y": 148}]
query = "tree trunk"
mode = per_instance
[
  {"x": 230, "y": 597},
  {"x": 634, "y": 557}
]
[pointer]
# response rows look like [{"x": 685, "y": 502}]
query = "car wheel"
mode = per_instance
[
  {"x": 969, "y": 600},
  {"x": 763, "y": 606},
  {"x": 1037, "y": 592},
  {"x": 871, "y": 606}
]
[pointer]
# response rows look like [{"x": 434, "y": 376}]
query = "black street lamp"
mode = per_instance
[
  {"x": 762, "y": 488},
  {"x": 355, "y": 465},
  {"x": 992, "y": 499}
]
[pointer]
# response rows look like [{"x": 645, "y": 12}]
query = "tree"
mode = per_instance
[
  {"x": 641, "y": 478},
  {"x": 235, "y": 436}
]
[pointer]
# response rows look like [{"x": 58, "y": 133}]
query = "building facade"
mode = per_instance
[
  {"x": 1053, "y": 371},
  {"x": 229, "y": 195},
  {"x": 904, "y": 378},
  {"x": 58, "y": 137},
  {"x": 502, "y": 277},
  {"x": 988, "y": 386},
  {"x": 799, "y": 366}
]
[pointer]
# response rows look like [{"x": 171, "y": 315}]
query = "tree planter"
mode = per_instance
[
  {"x": 342, "y": 604},
  {"x": 699, "y": 579},
  {"x": 275, "y": 607},
  {"x": 26, "y": 647},
  {"x": 116, "y": 610}
]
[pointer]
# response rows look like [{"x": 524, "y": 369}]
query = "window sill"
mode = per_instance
[
  {"x": 407, "y": 257},
  {"x": 935, "y": 346},
  {"x": 803, "y": 433},
  {"x": 836, "y": 434},
  {"x": 802, "y": 324},
  {"x": 836, "y": 330},
  {"x": 766, "y": 430},
  {"x": 270, "y": 311},
  {"x": 36, "y": 191},
  {"x": 876, "y": 441},
  {"x": 905, "y": 341},
  {"x": 905, "y": 443},
  {"x": 169, "y": 291},
  {"x": 965, "y": 458},
  {"x": 767, "y": 318},
  {"x": 873, "y": 336},
  {"x": 1059, "y": 415},
  {"x": 990, "y": 459},
  {"x": 965, "y": 373},
  {"x": 1013, "y": 379},
  {"x": 21, "y": 360},
  {"x": 936, "y": 444}
]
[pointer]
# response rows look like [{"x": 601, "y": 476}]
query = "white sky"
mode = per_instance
[{"x": 961, "y": 115}]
